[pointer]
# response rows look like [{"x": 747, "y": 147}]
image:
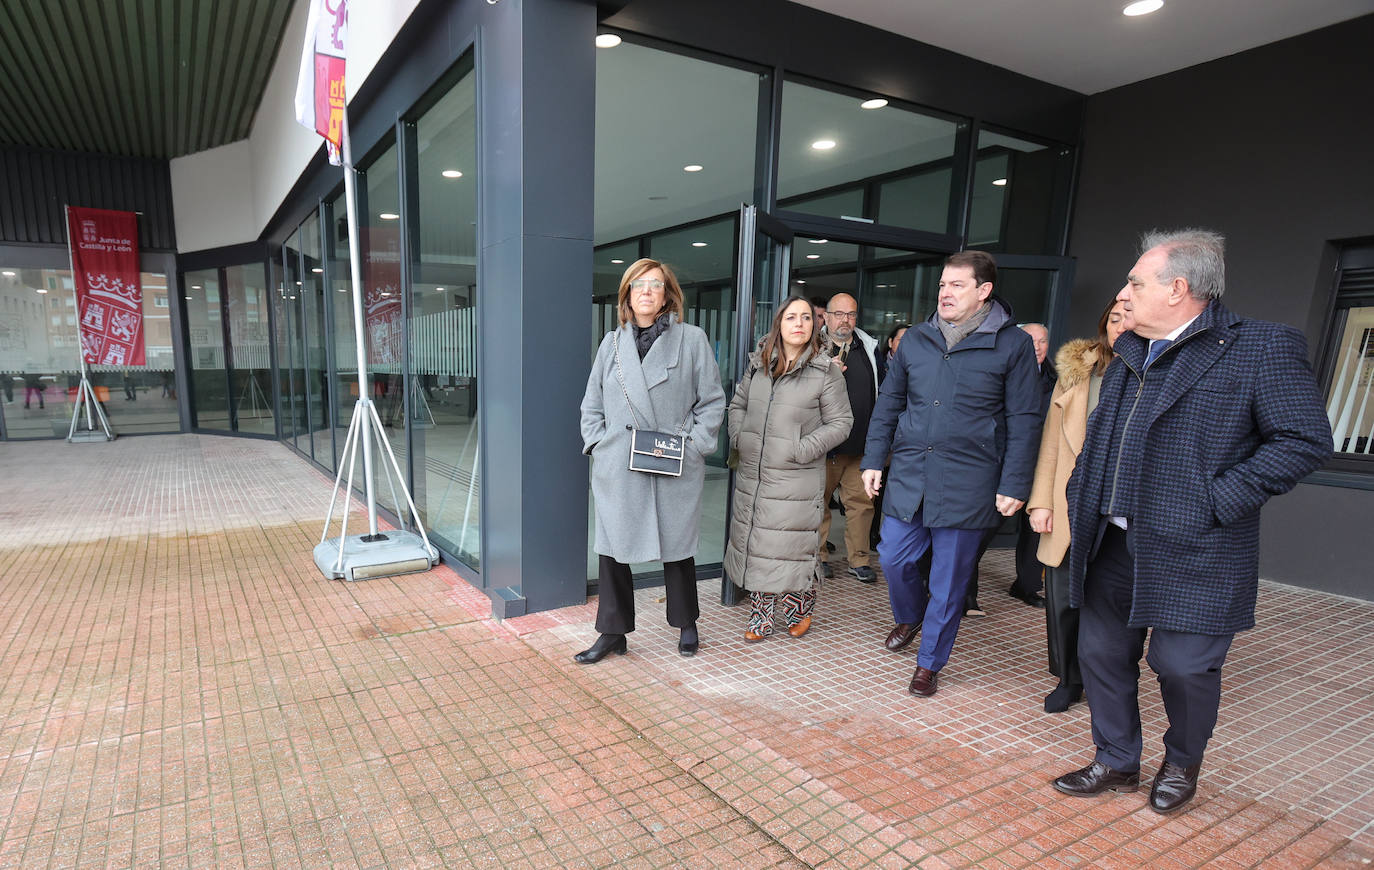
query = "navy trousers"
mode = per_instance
[
  {"x": 954, "y": 552},
  {"x": 1187, "y": 665}
]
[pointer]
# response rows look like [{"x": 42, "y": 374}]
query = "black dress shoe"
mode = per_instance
[
  {"x": 604, "y": 646},
  {"x": 1033, "y": 599},
  {"x": 901, "y": 635},
  {"x": 1062, "y": 698},
  {"x": 1174, "y": 787},
  {"x": 1097, "y": 778},
  {"x": 924, "y": 682},
  {"x": 687, "y": 643}
]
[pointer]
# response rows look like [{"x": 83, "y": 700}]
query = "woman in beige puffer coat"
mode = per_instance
[{"x": 787, "y": 412}]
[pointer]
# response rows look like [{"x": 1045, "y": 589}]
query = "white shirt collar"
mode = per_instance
[{"x": 1177, "y": 332}]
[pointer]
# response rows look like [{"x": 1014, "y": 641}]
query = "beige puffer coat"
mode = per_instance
[{"x": 782, "y": 430}]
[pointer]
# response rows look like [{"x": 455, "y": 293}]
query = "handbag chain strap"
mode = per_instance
[{"x": 620, "y": 375}]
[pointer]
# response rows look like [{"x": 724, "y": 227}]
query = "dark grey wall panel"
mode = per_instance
[
  {"x": 1318, "y": 537},
  {"x": 1270, "y": 146},
  {"x": 36, "y": 184}
]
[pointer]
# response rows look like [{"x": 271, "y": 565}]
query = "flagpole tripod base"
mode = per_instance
[
  {"x": 355, "y": 558},
  {"x": 86, "y": 404}
]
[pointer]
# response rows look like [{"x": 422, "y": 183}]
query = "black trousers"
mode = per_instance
[
  {"x": 1187, "y": 665},
  {"x": 1028, "y": 567},
  {"x": 1061, "y": 626},
  {"x": 615, "y": 602}
]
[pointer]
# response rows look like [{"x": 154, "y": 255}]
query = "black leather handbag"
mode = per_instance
[{"x": 651, "y": 452}]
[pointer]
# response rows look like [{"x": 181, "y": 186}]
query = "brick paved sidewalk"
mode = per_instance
[{"x": 181, "y": 688}]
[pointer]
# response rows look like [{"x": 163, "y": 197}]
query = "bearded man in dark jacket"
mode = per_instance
[{"x": 959, "y": 413}]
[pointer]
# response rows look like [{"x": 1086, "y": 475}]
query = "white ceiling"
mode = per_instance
[{"x": 1088, "y": 45}]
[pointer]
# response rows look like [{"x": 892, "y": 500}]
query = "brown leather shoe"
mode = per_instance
[
  {"x": 924, "y": 682},
  {"x": 800, "y": 628},
  {"x": 1095, "y": 779},
  {"x": 901, "y": 635},
  {"x": 750, "y": 637},
  {"x": 1173, "y": 787}
]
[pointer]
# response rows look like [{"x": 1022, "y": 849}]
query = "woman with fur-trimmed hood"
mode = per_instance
[{"x": 1081, "y": 364}]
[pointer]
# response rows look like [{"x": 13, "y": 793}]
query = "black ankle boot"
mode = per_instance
[
  {"x": 1062, "y": 698},
  {"x": 604, "y": 646},
  {"x": 687, "y": 644}
]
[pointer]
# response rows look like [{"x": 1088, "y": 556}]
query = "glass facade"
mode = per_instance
[{"x": 39, "y": 368}]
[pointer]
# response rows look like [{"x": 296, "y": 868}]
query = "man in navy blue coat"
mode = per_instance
[
  {"x": 959, "y": 412},
  {"x": 1202, "y": 416}
]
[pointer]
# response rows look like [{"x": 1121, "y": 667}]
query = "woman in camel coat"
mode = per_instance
[
  {"x": 1081, "y": 364},
  {"x": 788, "y": 411}
]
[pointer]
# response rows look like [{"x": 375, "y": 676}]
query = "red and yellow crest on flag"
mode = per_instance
[
  {"x": 109, "y": 298},
  {"x": 320, "y": 94}
]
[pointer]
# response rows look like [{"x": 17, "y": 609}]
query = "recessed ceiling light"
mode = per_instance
[
  {"x": 698, "y": 244},
  {"x": 813, "y": 256},
  {"x": 999, "y": 182},
  {"x": 195, "y": 286},
  {"x": 388, "y": 216},
  {"x": 293, "y": 296},
  {"x": 342, "y": 289},
  {"x": 1142, "y": 7},
  {"x": 7, "y": 273},
  {"x": 801, "y": 280},
  {"x": 818, "y": 241},
  {"x": 438, "y": 289},
  {"x": 823, "y": 144},
  {"x": 617, "y": 261},
  {"x": 317, "y": 270},
  {"x": 692, "y": 167},
  {"x": 452, "y": 173},
  {"x": 299, "y": 284},
  {"x": 873, "y": 104},
  {"x": 607, "y": 40},
  {"x": 188, "y": 298}
]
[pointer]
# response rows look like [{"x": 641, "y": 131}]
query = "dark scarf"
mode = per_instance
[{"x": 645, "y": 336}]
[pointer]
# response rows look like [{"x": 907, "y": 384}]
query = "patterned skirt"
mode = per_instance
[{"x": 788, "y": 608}]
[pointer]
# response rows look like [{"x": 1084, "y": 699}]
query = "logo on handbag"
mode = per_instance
[{"x": 651, "y": 452}]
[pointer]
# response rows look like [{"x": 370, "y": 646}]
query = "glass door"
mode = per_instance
[{"x": 763, "y": 268}]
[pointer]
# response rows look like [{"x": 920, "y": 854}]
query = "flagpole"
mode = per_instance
[{"x": 356, "y": 270}]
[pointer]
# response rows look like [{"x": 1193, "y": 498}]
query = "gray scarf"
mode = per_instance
[{"x": 956, "y": 333}]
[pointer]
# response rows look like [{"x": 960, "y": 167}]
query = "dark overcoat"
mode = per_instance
[
  {"x": 1238, "y": 419},
  {"x": 962, "y": 425},
  {"x": 649, "y": 517}
]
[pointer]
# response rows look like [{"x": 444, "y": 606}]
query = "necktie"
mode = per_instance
[{"x": 1156, "y": 348}]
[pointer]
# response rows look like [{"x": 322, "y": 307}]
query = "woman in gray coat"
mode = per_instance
[
  {"x": 787, "y": 412},
  {"x": 654, "y": 372}
]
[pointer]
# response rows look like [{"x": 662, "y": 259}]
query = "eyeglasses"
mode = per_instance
[
  {"x": 843, "y": 315},
  {"x": 641, "y": 284}
]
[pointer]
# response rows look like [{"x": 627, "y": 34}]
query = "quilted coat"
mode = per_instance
[
  {"x": 1237, "y": 420},
  {"x": 963, "y": 424},
  {"x": 650, "y": 517},
  {"x": 782, "y": 429}
]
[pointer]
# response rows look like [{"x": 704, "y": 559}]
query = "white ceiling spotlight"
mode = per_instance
[
  {"x": 317, "y": 270},
  {"x": 452, "y": 173},
  {"x": 877, "y": 103},
  {"x": 698, "y": 244},
  {"x": 801, "y": 280},
  {"x": 7, "y": 273},
  {"x": 1142, "y": 7},
  {"x": 692, "y": 167},
  {"x": 823, "y": 144},
  {"x": 813, "y": 256},
  {"x": 389, "y": 216},
  {"x": 607, "y": 40},
  {"x": 999, "y": 182},
  {"x": 819, "y": 241},
  {"x": 617, "y": 261}
]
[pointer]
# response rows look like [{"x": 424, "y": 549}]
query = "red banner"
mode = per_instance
[
  {"x": 320, "y": 84},
  {"x": 109, "y": 299},
  {"x": 382, "y": 296}
]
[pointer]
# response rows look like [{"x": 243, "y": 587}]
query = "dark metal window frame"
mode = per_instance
[{"x": 1341, "y": 259}]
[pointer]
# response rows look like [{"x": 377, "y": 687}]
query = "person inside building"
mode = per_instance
[
  {"x": 1080, "y": 363},
  {"x": 788, "y": 410},
  {"x": 654, "y": 372},
  {"x": 1029, "y": 572}
]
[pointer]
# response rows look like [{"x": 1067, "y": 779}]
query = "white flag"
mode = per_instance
[{"x": 320, "y": 88}]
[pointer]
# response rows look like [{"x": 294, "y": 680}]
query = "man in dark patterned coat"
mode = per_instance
[{"x": 1202, "y": 417}]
